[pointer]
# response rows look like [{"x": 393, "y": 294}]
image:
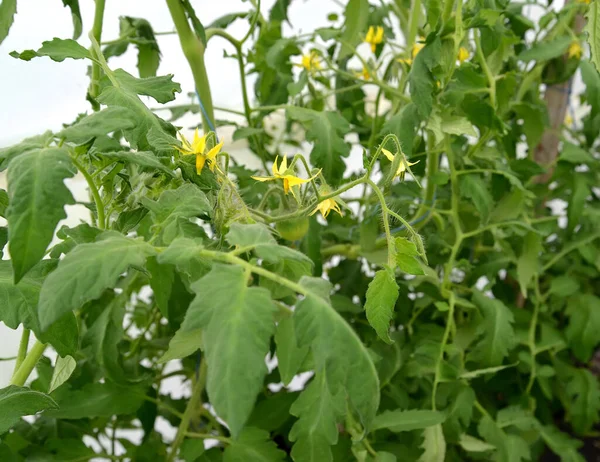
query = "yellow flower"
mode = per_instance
[
  {"x": 197, "y": 148},
  {"x": 416, "y": 48},
  {"x": 327, "y": 206},
  {"x": 463, "y": 54},
  {"x": 363, "y": 75},
  {"x": 406, "y": 61},
  {"x": 310, "y": 62},
  {"x": 402, "y": 166},
  {"x": 568, "y": 120},
  {"x": 575, "y": 50},
  {"x": 374, "y": 37},
  {"x": 587, "y": 2},
  {"x": 282, "y": 172}
]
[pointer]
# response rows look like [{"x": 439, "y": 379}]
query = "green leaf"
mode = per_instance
[
  {"x": 409, "y": 265},
  {"x": 16, "y": 402},
  {"x": 337, "y": 349},
  {"x": 237, "y": 323},
  {"x": 528, "y": 262},
  {"x": 488, "y": 370},
  {"x": 575, "y": 155},
  {"x": 191, "y": 449},
  {"x": 63, "y": 369},
  {"x": 185, "y": 202},
  {"x": 561, "y": 444},
  {"x": 472, "y": 444},
  {"x": 318, "y": 410},
  {"x": 246, "y": 132},
  {"x": 162, "y": 88},
  {"x": 564, "y": 286},
  {"x": 279, "y": 11},
  {"x": 592, "y": 28},
  {"x": 196, "y": 24},
  {"x": 583, "y": 331},
  {"x": 226, "y": 20},
  {"x": 544, "y": 51},
  {"x": 405, "y": 421},
  {"x": 87, "y": 271},
  {"x": 422, "y": 83},
  {"x": 37, "y": 196},
  {"x": 57, "y": 50},
  {"x": 357, "y": 16},
  {"x": 381, "y": 300},
  {"x": 289, "y": 356},
  {"x": 76, "y": 14},
  {"x": 99, "y": 123},
  {"x": 474, "y": 188},
  {"x": 497, "y": 336},
  {"x": 145, "y": 159},
  {"x": 326, "y": 129},
  {"x": 98, "y": 400},
  {"x": 434, "y": 445},
  {"x": 8, "y": 8},
  {"x": 577, "y": 200},
  {"x": 253, "y": 445}
]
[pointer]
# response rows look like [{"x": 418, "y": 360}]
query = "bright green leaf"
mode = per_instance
[
  {"x": 355, "y": 25},
  {"x": 544, "y": 51},
  {"x": 592, "y": 28},
  {"x": 434, "y": 445},
  {"x": 528, "y": 262},
  {"x": 103, "y": 122},
  {"x": 145, "y": 159},
  {"x": 253, "y": 445},
  {"x": 16, "y": 402},
  {"x": 289, "y": 356},
  {"x": 63, "y": 369},
  {"x": 405, "y": 421},
  {"x": 472, "y": 444},
  {"x": 162, "y": 88},
  {"x": 8, "y": 8},
  {"x": 381, "y": 300},
  {"x": 57, "y": 50}
]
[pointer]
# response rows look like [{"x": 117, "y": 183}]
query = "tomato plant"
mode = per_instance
[{"x": 427, "y": 303}]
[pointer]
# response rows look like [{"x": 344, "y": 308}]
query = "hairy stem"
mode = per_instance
[
  {"x": 386, "y": 224},
  {"x": 22, "y": 374}
]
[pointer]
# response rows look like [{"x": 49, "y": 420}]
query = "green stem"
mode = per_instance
[
  {"x": 23, "y": 346},
  {"x": 386, "y": 224},
  {"x": 21, "y": 375},
  {"x": 193, "y": 49},
  {"x": 95, "y": 194},
  {"x": 208, "y": 436},
  {"x": 190, "y": 410},
  {"x": 486, "y": 69},
  {"x": 433, "y": 162},
  {"x": 531, "y": 336},
  {"x": 568, "y": 249},
  {"x": 97, "y": 34},
  {"x": 448, "y": 7},
  {"x": 413, "y": 28},
  {"x": 445, "y": 337}
]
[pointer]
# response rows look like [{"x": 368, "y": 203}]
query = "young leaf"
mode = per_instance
[
  {"x": 405, "y": 421},
  {"x": 16, "y": 402},
  {"x": 381, "y": 300},
  {"x": 528, "y": 262},
  {"x": 326, "y": 130},
  {"x": 434, "y": 445},
  {"x": 289, "y": 356},
  {"x": 592, "y": 28},
  {"x": 87, "y": 271},
  {"x": 237, "y": 323},
  {"x": 76, "y": 14},
  {"x": 37, "y": 196},
  {"x": 497, "y": 336},
  {"x": 253, "y": 445},
  {"x": 8, "y": 8},
  {"x": 583, "y": 331},
  {"x": 57, "y": 50},
  {"x": 63, "y": 369}
]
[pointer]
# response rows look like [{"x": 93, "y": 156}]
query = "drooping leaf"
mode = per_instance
[
  {"x": 16, "y": 402},
  {"x": 592, "y": 28},
  {"x": 497, "y": 336},
  {"x": 528, "y": 262},
  {"x": 76, "y": 15},
  {"x": 63, "y": 369},
  {"x": 87, "y": 271},
  {"x": 57, "y": 50},
  {"x": 237, "y": 323},
  {"x": 289, "y": 355},
  {"x": 381, "y": 300},
  {"x": 8, "y": 8},
  {"x": 405, "y": 421},
  {"x": 255, "y": 445},
  {"x": 37, "y": 196},
  {"x": 583, "y": 330},
  {"x": 326, "y": 130},
  {"x": 320, "y": 326}
]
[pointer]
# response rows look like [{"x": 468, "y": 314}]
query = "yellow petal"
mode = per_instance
[
  {"x": 463, "y": 54},
  {"x": 416, "y": 48},
  {"x": 199, "y": 143},
  {"x": 286, "y": 185},
  {"x": 370, "y": 34},
  {"x": 292, "y": 180},
  {"x": 212, "y": 154},
  {"x": 263, "y": 178},
  {"x": 183, "y": 151},
  {"x": 283, "y": 165},
  {"x": 388, "y": 154},
  {"x": 274, "y": 168},
  {"x": 200, "y": 160},
  {"x": 186, "y": 144},
  {"x": 379, "y": 35},
  {"x": 373, "y": 47}
]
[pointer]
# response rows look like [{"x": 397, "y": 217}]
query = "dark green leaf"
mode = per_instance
[
  {"x": 422, "y": 83},
  {"x": 355, "y": 25},
  {"x": 474, "y": 188},
  {"x": 162, "y": 88},
  {"x": 103, "y": 122},
  {"x": 145, "y": 159},
  {"x": 76, "y": 14},
  {"x": 528, "y": 262},
  {"x": 381, "y": 300},
  {"x": 544, "y": 51},
  {"x": 16, "y": 402},
  {"x": 57, "y": 50},
  {"x": 405, "y": 421},
  {"x": 37, "y": 196},
  {"x": 253, "y": 445},
  {"x": 289, "y": 356},
  {"x": 583, "y": 331}
]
